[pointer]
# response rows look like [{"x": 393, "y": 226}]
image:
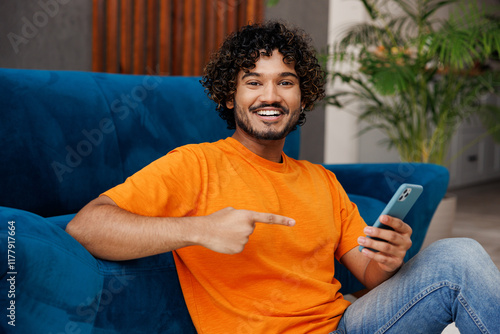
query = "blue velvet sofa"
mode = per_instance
[{"x": 68, "y": 136}]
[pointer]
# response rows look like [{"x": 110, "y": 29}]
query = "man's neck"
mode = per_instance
[{"x": 267, "y": 149}]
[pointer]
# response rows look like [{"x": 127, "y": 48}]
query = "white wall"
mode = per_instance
[
  {"x": 341, "y": 127},
  {"x": 342, "y": 141}
]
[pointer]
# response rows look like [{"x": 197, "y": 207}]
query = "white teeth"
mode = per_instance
[{"x": 268, "y": 113}]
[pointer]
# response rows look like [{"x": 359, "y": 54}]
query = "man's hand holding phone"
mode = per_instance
[
  {"x": 388, "y": 240},
  {"x": 387, "y": 247}
]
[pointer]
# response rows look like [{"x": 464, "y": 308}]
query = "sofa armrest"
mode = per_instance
[
  {"x": 382, "y": 180},
  {"x": 51, "y": 276},
  {"x": 61, "y": 288}
]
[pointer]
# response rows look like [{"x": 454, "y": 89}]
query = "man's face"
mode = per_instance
[{"x": 267, "y": 99}]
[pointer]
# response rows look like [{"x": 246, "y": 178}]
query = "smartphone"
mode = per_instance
[{"x": 399, "y": 205}]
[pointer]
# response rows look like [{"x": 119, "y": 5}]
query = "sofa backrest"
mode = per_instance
[{"x": 68, "y": 136}]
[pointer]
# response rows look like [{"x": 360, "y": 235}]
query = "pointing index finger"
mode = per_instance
[{"x": 271, "y": 218}]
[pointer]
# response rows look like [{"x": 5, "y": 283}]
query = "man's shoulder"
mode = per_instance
[
  {"x": 309, "y": 165},
  {"x": 198, "y": 151},
  {"x": 315, "y": 168},
  {"x": 199, "y": 147}
]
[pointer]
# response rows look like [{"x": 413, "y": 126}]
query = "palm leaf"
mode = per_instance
[
  {"x": 409, "y": 7},
  {"x": 365, "y": 34},
  {"x": 466, "y": 37},
  {"x": 370, "y": 9},
  {"x": 388, "y": 77},
  {"x": 431, "y": 7}
]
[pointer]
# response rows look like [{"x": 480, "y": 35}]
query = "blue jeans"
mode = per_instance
[{"x": 453, "y": 280}]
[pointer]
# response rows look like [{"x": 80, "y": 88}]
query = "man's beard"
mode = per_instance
[{"x": 242, "y": 121}]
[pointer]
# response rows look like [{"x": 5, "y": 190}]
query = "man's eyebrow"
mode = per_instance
[
  {"x": 282, "y": 74},
  {"x": 250, "y": 74},
  {"x": 289, "y": 74}
]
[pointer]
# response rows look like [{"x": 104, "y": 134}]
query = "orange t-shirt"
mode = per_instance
[{"x": 282, "y": 282}]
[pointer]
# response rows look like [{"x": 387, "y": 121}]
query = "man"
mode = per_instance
[{"x": 255, "y": 233}]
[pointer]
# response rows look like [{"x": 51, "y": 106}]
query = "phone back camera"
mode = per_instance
[{"x": 405, "y": 194}]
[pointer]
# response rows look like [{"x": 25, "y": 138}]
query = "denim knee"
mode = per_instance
[
  {"x": 459, "y": 254},
  {"x": 462, "y": 249}
]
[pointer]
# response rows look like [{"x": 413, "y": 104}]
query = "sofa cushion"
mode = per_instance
[{"x": 369, "y": 208}]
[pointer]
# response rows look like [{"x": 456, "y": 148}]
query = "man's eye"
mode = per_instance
[
  {"x": 253, "y": 83},
  {"x": 286, "y": 83}
]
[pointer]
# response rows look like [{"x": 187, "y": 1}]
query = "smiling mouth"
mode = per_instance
[
  {"x": 269, "y": 113},
  {"x": 269, "y": 110}
]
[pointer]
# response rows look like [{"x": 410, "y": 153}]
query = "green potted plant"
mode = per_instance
[{"x": 417, "y": 77}]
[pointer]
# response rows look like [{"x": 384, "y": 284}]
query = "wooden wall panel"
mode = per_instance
[
  {"x": 152, "y": 39},
  {"x": 167, "y": 37},
  {"x": 242, "y": 12},
  {"x": 126, "y": 30},
  {"x": 210, "y": 27},
  {"x": 177, "y": 41},
  {"x": 98, "y": 29},
  {"x": 232, "y": 15},
  {"x": 188, "y": 38},
  {"x": 111, "y": 34},
  {"x": 251, "y": 10},
  {"x": 198, "y": 47},
  {"x": 139, "y": 34}
]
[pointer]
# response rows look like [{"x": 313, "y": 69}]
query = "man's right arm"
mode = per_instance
[{"x": 111, "y": 233}]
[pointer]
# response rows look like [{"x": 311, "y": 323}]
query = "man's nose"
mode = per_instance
[{"x": 270, "y": 94}]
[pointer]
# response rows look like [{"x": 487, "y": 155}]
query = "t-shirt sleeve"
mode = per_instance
[
  {"x": 352, "y": 224},
  {"x": 168, "y": 187}
]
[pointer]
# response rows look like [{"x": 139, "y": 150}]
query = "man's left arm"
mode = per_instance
[{"x": 373, "y": 268}]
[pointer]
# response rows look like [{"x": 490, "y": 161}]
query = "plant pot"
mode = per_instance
[{"x": 442, "y": 222}]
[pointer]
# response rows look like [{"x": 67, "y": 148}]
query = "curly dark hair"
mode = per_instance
[{"x": 242, "y": 49}]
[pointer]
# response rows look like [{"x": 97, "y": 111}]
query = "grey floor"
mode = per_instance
[{"x": 478, "y": 217}]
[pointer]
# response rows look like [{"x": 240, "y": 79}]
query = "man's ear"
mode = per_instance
[{"x": 230, "y": 104}]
